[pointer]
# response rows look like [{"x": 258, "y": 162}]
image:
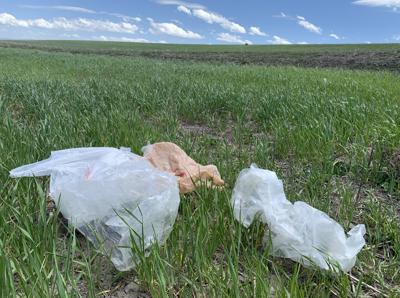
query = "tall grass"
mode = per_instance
[{"x": 331, "y": 135}]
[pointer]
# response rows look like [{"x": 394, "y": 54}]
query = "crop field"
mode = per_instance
[
  {"x": 332, "y": 134},
  {"x": 367, "y": 56}
]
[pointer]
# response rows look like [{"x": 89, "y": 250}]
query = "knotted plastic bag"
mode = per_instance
[
  {"x": 297, "y": 231},
  {"x": 110, "y": 194},
  {"x": 170, "y": 157}
]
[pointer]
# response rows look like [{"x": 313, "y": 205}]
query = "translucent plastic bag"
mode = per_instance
[
  {"x": 110, "y": 194},
  {"x": 298, "y": 231}
]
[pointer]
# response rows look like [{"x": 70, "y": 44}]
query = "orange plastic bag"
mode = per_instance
[{"x": 171, "y": 158}]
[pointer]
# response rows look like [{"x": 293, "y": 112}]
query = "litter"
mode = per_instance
[
  {"x": 110, "y": 194},
  {"x": 298, "y": 231},
  {"x": 171, "y": 158}
]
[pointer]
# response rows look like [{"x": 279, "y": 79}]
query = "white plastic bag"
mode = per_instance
[
  {"x": 298, "y": 231},
  {"x": 106, "y": 193}
]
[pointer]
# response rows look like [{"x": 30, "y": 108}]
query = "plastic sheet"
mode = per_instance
[
  {"x": 110, "y": 194},
  {"x": 297, "y": 231}
]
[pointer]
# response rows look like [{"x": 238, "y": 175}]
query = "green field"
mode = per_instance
[
  {"x": 332, "y": 135},
  {"x": 350, "y": 56},
  {"x": 132, "y": 47}
]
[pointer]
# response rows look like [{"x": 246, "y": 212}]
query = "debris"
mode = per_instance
[
  {"x": 298, "y": 231},
  {"x": 110, "y": 194},
  {"x": 171, "y": 158}
]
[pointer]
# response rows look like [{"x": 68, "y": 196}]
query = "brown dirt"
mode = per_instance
[
  {"x": 373, "y": 60},
  {"x": 203, "y": 130}
]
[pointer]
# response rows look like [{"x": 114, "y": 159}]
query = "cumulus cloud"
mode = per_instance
[
  {"x": 226, "y": 37},
  {"x": 123, "y": 39},
  {"x": 376, "y": 3},
  {"x": 256, "y": 31},
  {"x": 333, "y": 35},
  {"x": 172, "y": 29},
  {"x": 302, "y": 42},
  {"x": 184, "y": 9},
  {"x": 68, "y": 24},
  {"x": 309, "y": 26},
  {"x": 279, "y": 40},
  {"x": 211, "y": 17}
]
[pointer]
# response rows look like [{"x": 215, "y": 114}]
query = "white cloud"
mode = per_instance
[
  {"x": 68, "y": 24},
  {"x": 376, "y": 3},
  {"x": 309, "y": 26},
  {"x": 73, "y": 35},
  {"x": 184, "y": 9},
  {"x": 178, "y": 2},
  {"x": 207, "y": 16},
  {"x": 212, "y": 17},
  {"x": 177, "y": 22},
  {"x": 123, "y": 39},
  {"x": 226, "y": 37},
  {"x": 83, "y": 10},
  {"x": 282, "y": 15},
  {"x": 396, "y": 37},
  {"x": 59, "y": 7},
  {"x": 302, "y": 42},
  {"x": 172, "y": 29},
  {"x": 333, "y": 35},
  {"x": 128, "y": 39},
  {"x": 256, "y": 31},
  {"x": 279, "y": 40},
  {"x": 122, "y": 16}
]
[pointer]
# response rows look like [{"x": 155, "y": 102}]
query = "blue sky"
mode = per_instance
[{"x": 206, "y": 22}]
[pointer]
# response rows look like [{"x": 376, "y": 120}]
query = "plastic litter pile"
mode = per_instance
[
  {"x": 106, "y": 192},
  {"x": 298, "y": 231},
  {"x": 114, "y": 196}
]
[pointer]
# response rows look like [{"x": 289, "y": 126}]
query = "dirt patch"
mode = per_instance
[
  {"x": 361, "y": 192},
  {"x": 203, "y": 130},
  {"x": 125, "y": 290},
  {"x": 348, "y": 59}
]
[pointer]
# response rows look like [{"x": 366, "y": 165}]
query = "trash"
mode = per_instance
[
  {"x": 171, "y": 158},
  {"x": 109, "y": 194},
  {"x": 298, "y": 231}
]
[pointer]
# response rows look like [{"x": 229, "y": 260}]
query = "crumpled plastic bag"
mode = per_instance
[
  {"x": 107, "y": 193},
  {"x": 298, "y": 231},
  {"x": 171, "y": 158}
]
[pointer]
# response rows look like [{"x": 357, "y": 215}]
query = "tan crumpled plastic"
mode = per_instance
[{"x": 171, "y": 158}]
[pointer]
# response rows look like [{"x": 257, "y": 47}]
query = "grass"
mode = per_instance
[
  {"x": 134, "y": 47},
  {"x": 332, "y": 135}
]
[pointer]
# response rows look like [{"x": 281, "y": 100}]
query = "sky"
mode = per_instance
[{"x": 204, "y": 21}]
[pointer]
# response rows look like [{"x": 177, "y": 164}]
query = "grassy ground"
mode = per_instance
[
  {"x": 367, "y": 56},
  {"x": 333, "y": 136},
  {"x": 128, "y": 46}
]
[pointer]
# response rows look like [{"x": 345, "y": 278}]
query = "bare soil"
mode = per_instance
[{"x": 372, "y": 60}]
